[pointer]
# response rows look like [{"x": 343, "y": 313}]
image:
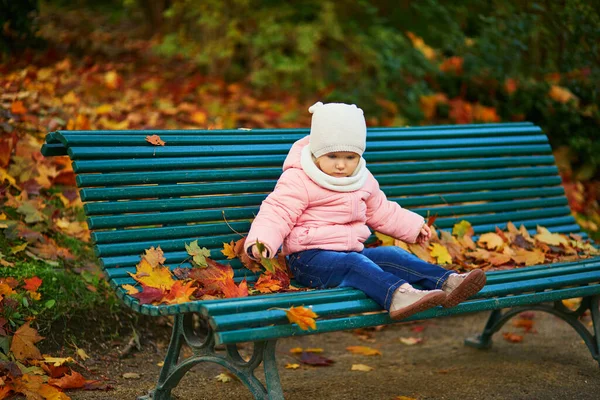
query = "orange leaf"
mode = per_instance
[
  {"x": 18, "y": 108},
  {"x": 23, "y": 343},
  {"x": 304, "y": 317},
  {"x": 180, "y": 292},
  {"x": 73, "y": 381},
  {"x": 231, "y": 290},
  {"x": 266, "y": 284},
  {"x": 512, "y": 337},
  {"x": 155, "y": 140}
]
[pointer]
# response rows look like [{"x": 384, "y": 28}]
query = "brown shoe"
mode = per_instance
[
  {"x": 459, "y": 287},
  {"x": 408, "y": 301}
]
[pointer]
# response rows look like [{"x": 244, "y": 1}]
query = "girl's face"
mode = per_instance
[{"x": 339, "y": 164}]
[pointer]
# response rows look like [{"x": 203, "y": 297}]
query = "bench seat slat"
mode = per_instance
[{"x": 361, "y": 321}]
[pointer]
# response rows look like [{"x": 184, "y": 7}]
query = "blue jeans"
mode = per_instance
[{"x": 376, "y": 271}]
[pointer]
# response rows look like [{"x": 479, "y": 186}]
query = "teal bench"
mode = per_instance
[{"x": 138, "y": 195}]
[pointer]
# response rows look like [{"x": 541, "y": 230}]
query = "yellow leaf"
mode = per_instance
[
  {"x": 224, "y": 377},
  {"x": 6, "y": 290},
  {"x": 229, "y": 250},
  {"x": 534, "y": 257},
  {"x": 292, "y": 366},
  {"x": 553, "y": 239},
  {"x": 314, "y": 350},
  {"x": 404, "y": 398},
  {"x": 180, "y": 292},
  {"x": 361, "y": 367},
  {"x": 441, "y": 254},
  {"x": 130, "y": 289},
  {"x": 19, "y": 248},
  {"x": 156, "y": 277},
  {"x": 160, "y": 364},
  {"x": 462, "y": 228},
  {"x": 58, "y": 361},
  {"x": 385, "y": 239},
  {"x": 364, "y": 350},
  {"x": 82, "y": 354},
  {"x": 572, "y": 304},
  {"x": 4, "y": 176},
  {"x": 104, "y": 109},
  {"x": 70, "y": 98},
  {"x": 491, "y": 240},
  {"x": 296, "y": 350},
  {"x": 304, "y": 317},
  {"x": 421, "y": 251}
]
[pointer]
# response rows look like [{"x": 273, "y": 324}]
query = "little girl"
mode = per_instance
[{"x": 322, "y": 208}]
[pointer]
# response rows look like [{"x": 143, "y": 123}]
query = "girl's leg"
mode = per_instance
[
  {"x": 325, "y": 268},
  {"x": 408, "y": 267}
]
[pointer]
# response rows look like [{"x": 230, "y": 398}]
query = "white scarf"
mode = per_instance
[{"x": 345, "y": 184}]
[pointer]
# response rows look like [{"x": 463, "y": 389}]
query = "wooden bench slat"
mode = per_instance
[
  {"x": 231, "y": 214},
  {"x": 121, "y": 241},
  {"x": 389, "y": 177},
  {"x": 263, "y": 186},
  {"x": 361, "y": 321},
  {"x": 194, "y": 175},
  {"x": 85, "y": 146},
  {"x": 122, "y": 207},
  {"x": 233, "y": 152}
]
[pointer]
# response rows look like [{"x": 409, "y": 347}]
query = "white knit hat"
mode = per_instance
[{"x": 337, "y": 127}]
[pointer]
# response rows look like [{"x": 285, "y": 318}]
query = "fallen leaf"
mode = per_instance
[
  {"x": 410, "y": 341},
  {"x": 73, "y": 381},
  {"x": 229, "y": 250},
  {"x": 364, "y": 350},
  {"x": 23, "y": 343},
  {"x": 131, "y": 375},
  {"x": 158, "y": 277},
  {"x": 155, "y": 140},
  {"x": 58, "y": 361},
  {"x": 304, "y": 317},
  {"x": 441, "y": 254},
  {"x": 553, "y": 239},
  {"x": 315, "y": 359},
  {"x": 512, "y": 337},
  {"x": 199, "y": 254},
  {"x": 292, "y": 366},
  {"x": 361, "y": 367},
  {"x": 491, "y": 240}
]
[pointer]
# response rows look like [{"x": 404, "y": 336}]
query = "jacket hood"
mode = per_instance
[{"x": 293, "y": 158}]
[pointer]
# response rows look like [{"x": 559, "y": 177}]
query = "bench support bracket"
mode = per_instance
[
  {"x": 201, "y": 341},
  {"x": 592, "y": 339}
]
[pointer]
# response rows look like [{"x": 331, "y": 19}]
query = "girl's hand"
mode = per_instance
[
  {"x": 256, "y": 254},
  {"x": 424, "y": 234}
]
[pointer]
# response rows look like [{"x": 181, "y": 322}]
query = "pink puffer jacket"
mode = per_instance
[{"x": 302, "y": 215}]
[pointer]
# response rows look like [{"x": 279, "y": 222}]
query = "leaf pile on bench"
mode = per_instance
[{"x": 209, "y": 279}]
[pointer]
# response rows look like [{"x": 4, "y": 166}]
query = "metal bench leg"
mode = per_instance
[
  {"x": 203, "y": 348},
  {"x": 592, "y": 340}
]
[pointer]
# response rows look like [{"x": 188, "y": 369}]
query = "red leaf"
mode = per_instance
[
  {"x": 73, "y": 381},
  {"x": 32, "y": 284},
  {"x": 148, "y": 295}
]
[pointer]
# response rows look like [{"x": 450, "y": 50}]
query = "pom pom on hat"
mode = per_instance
[{"x": 337, "y": 127}]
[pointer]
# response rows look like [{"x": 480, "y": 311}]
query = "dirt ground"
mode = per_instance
[{"x": 550, "y": 363}]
